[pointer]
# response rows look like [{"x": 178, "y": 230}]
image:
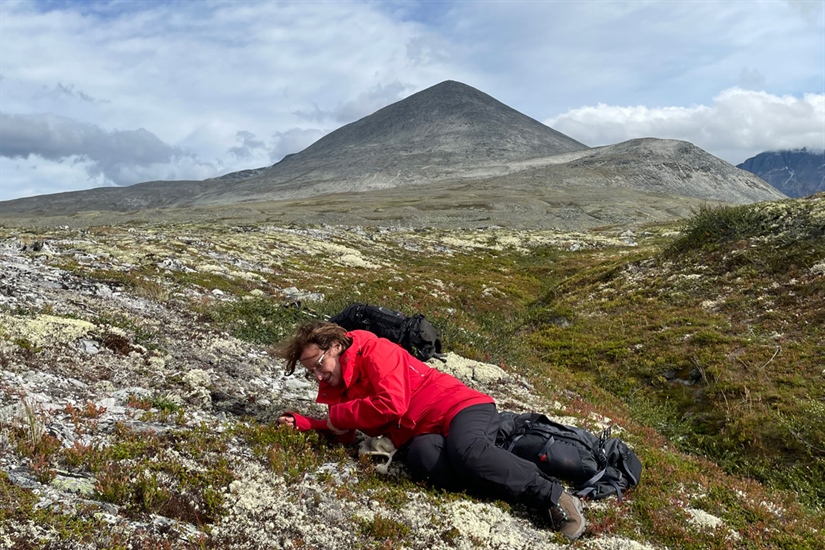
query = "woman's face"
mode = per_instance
[{"x": 323, "y": 364}]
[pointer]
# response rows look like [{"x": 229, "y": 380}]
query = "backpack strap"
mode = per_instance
[
  {"x": 513, "y": 442},
  {"x": 591, "y": 485},
  {"x": 593, "y": 480},
  {"x": 518, "y": 433},
  {"x": 546, "y": 448},
  {"x": 584, "y": 493},
  {"x": 618, "y": 489}
]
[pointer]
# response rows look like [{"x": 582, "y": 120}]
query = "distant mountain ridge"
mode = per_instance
[
  {"x": 450, "y": 135},
  {"x": 797, "y": 172}
]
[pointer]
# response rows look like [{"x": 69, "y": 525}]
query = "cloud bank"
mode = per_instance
[
  {"x": 118, "y": 155},
  {"x": 737, "y": 124}
]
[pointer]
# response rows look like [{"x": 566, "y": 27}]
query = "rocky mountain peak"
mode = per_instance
[
  {"x": 797, "y": 172},
  {"x": 449, "y": 117}
]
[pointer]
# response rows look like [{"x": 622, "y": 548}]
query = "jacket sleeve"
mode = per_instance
[
  {"x": 386, "y": 368},
  {"x": 306, "y": 423}
]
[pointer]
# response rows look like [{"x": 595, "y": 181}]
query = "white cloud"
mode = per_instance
[
  {"x": 292, "y": 141},
  {"x": 737, "y": 125},
  {"x": 24, "y": 177},
  {"x": 118, "y": 156},
  {"x": 248, "y": 144},
  {"x": 364, "y": 104}
]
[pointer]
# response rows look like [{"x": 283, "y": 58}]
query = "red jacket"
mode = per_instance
[{"x": 387, "y": 391}]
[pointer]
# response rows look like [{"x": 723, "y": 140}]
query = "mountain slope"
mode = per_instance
[
  {"x": 672, "y": 167},
  {"x": 450, "y": 136},
  {"x": 797, "y": 173}
]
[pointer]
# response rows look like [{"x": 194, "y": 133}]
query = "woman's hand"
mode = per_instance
[{"x": 287, "y": 420}]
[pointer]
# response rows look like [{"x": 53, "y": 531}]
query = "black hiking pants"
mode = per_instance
[{"x": 468, "y": 459}]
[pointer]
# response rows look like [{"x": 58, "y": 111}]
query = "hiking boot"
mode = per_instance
[{"x": 566, "y": 516}]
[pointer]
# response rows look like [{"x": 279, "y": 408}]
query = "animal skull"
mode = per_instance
[{"x": 378, "y": 446}]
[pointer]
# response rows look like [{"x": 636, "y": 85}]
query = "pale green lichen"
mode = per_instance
[
  {"x": 43, "y": 330},
  {"x": 197, "y": 378},
  {"x": 704, "y": 519}
]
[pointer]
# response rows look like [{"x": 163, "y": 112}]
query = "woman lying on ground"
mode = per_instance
[{"x": 446, "y": 430}]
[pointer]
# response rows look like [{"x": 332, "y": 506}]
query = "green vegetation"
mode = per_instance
[
  {"x": 711, "y": 227},
  {"x": 258, "y": 320},
  {"x": 289, "y": 453},
  {"x": 382, "y": 528},
  {"x": 143, "y": 472},
  {"x": 84, "y": 525},
  {"x": 705, "y": 347},
  {"x": 733, "y": 381},
  {"x": 702, "y": 353}
]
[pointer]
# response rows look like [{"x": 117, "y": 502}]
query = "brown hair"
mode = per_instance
[{"x": 320, "y": 333}]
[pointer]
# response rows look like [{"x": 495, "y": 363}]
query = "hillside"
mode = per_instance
[
  {"x": 137, "y": 389},
  {"x": 796, "y": 173},
  {"x": 451, "y": 140}
]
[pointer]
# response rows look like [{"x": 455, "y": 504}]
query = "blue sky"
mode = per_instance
[{"x": 102, "y": 93}]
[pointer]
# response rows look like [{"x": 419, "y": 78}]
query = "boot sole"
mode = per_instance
[{"x": 583, "y": 526}]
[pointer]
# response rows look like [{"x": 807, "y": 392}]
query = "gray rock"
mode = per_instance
[
  {"x": 89, "y": 346},
  {"x": 122, "y": 396},
  {"x": 84, "y": 486}
]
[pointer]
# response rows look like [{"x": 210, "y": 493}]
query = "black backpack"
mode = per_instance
[
  {"x": 415, "y": 334},
  {"x": 597, "y": 466}
]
